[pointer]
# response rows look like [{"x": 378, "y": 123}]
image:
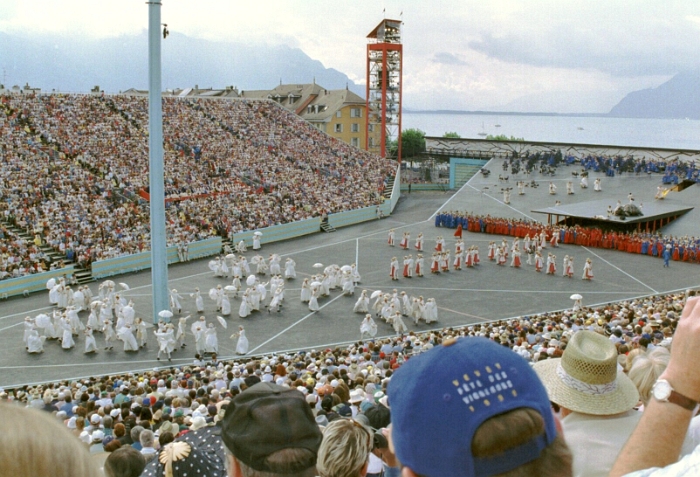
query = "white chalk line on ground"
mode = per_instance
[
  {"x": 461, "y": 313},
  {"x": 11, "y": 326},
  {"x": 619, "y": 269},
  {"x": 449, "y": 200},
  {"x": 29, "y": 312},
  {"x": 97, "y": 363},
  {"x": 294, "y": 324}
]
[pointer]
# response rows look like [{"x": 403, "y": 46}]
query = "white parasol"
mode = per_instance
[
  {"x": 230, "y": 288},
  {"x": 222, "y": 321},
  {"x": 316, "y": 284},
  {"x": 212, "y": 265},
  {"x": 108, "y": 283},
  {"x": 42, "y": 320},
  {"x": 346, "y": 268},
  {"x": 375, "y": 294},
  {"x": 250, "y": 281},
  {"x": 51, "y": 283},
  {"x": 165, "y": 314},
  {"x": 230, "y": 256},
  {"x": 318, "y": 265},
  {"x": 259, "y": 234},
  {"x": 575, "y": 296},
  {"x": 124, "y": 286},
  {"x": 212, "y": 293}
]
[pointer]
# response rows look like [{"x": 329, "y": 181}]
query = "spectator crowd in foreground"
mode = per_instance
[{"x": 619, "y": 350}]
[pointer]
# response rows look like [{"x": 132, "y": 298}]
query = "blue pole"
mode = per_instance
[{"x": 159, "y": 265}]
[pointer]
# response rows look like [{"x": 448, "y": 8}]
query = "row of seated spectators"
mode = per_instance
[
  {"x": 148, "y": 409},
  {"x": 70, "y": 162},
  {"x": 686, "y": 248}
]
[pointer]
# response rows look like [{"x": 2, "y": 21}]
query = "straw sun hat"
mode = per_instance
[{"x": 585, "y": 379}]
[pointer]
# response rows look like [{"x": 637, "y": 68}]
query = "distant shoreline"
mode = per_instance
[
  {"x": 500, "y": 113},
  {"x": 515, "y": 113}
]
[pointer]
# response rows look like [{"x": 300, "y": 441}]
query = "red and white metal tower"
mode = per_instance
[{"x": 384, "y": 77}]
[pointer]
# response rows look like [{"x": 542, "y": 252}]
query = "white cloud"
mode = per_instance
[{"x": 471, "y": 54}]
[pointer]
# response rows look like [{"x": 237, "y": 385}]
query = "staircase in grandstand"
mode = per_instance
[
  {"x": 389, "y": 187},
  {"x": 326, "y": 227},
  {"x": 82, "y": 274}
]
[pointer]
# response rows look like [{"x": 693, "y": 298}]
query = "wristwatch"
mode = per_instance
[{"x": 662, "y": 391}]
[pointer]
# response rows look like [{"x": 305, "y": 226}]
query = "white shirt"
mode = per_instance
[{"x": 595, "y": 441}]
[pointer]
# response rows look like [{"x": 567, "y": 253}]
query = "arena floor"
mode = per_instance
[{"x": 487, "y": 292}]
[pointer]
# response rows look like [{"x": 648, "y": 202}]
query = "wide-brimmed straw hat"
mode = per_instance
[{"x": 586, "y": 378}]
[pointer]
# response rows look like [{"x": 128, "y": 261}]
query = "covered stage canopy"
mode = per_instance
[{"x": 596, "y": 213}]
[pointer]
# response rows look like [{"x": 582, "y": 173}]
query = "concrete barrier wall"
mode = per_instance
[
  {"x": 277, "y": 233},
  {"x": 204, "y": 248},
  {"x": 142, "y": 261},
  {"x": 31, "y": 283},
  {"x": 484, "y": 148},
  {"x": 125, "y": 264},
  {"x": 425, "y": 186},
  {"x": 343, "y": 219}
]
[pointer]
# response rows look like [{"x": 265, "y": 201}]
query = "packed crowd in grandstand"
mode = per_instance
[{"x": 75, "y": 172}]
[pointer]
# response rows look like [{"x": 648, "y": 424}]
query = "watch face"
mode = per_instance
[{"x": 662, "y": 390}]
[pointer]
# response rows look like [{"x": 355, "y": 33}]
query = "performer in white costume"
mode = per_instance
[
  {"x": 198, "y": 330},
  {"x": 90, "y": 343},
  {"x": 67, "y": 336},
  {"x": 35, "y": 343},
  {"x": 211, "y": 343},
  {"x": 181, "y": 331},
  {"x": 198, "y": 300},
  {"x": 141, "y": 332},
  {"x": 362, "y": 304},
  {"x": 126, "y": 334},
  {"x": 110, "y": 335},
  {"x": 242, "y": 344},
  {"x": 175, "y": 298},
  {"x": 166, "y": 341},
  {"x": 289, "y": 269},
  {"x": 225, "y": 305},
  {"x": 368, "y": 328}
]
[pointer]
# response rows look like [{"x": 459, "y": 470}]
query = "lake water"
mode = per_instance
[{"x": 666, "y": 133}]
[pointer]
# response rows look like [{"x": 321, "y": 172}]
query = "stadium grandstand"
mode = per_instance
[{"x": 75, "y": 174}]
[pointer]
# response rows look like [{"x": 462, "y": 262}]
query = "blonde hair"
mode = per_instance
[
  {"x": 629, "y": 358},
  {"x": 344, "y": 450},
  {"x": 33, "y": 443},
  {"x": 646, "y": 369}
]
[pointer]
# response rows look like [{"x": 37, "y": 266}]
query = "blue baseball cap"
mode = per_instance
[{"x": 440, "y": 398}]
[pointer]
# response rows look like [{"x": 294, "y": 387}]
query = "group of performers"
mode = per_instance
[
  {"x": 685, "y": 248},
  {"x": 391, "y": 308},
  {"x": 469, "y": 256}
]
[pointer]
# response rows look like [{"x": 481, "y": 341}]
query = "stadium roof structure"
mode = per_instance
[{"x": 595, "y": 213}]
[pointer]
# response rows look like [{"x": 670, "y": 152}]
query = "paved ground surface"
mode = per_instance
[{"x": 484, "y": 293}]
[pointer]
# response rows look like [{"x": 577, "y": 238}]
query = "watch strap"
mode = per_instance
[{"x": 682, "y": 401}]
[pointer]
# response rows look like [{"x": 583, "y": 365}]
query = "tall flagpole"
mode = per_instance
[{"x": 159, "y": 265}]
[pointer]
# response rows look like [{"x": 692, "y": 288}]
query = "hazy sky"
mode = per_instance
[{"x": 517, "y": 55}]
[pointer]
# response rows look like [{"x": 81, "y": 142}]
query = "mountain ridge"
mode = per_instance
[
  {"x": 65, "y": 63},
  {"x": 677, "y": 98}
]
